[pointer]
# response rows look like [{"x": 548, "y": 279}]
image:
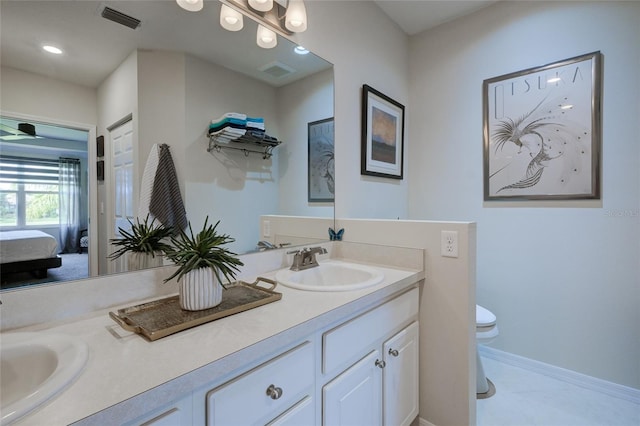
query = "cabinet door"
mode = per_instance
[
  {"x": 355, "y": 396},
  {"x": 400, "y": 377}
]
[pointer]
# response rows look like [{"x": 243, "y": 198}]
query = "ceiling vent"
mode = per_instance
[
  {"x": 277, "y": 69},
  {"x": 120, "y": 18}
]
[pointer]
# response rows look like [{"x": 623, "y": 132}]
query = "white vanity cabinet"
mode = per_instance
[
  {"x": 381, "y": 387},
  {"x": 358, "y": 368},
  {"x": 278, "y": 392}
]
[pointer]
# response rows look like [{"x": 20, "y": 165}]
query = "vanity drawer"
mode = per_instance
[
  {"x": 346, "y": 343},
  {"x": 265, "y": 392}
]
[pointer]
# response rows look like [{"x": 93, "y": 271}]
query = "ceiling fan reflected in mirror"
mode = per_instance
[{"x": 24, "y": 131}]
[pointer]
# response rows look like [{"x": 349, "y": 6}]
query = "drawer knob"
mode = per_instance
[
  {"x": 380, "y": 364},
  {"x": 273, "y": 392},
  {"x": 393, "y": 352}
]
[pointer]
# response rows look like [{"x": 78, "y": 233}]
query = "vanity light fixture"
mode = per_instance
[
  {"x": 266, "y": 38},
  {"x": 284, "y": 17},
  {"x": 52, "y": 49},
  {"x": 296, "y": 18},
  {"x": 230, "y": 19},
  {"x": 191, "y": 5},
  {"x": 261, "y": 5}
]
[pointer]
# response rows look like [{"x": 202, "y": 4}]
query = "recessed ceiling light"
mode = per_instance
[
  {"x": 52, "y": 49},
  {"x": 300, "y": 50}
]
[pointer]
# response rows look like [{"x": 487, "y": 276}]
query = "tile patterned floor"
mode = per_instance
[{"x": 526, "y": 398}]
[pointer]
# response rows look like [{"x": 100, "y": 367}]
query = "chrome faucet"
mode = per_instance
[
  {"x": 266, "y": 245},
  {"x": 305, "y": 258}
]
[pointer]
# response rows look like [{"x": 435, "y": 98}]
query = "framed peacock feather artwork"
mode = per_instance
[
  {"x": 542, "y": 132},
  {"x": 321, "y": 167}
]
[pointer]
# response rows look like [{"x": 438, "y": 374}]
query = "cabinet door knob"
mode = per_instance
[
  {"x": 380, "y": 364},
  {"x": 393, "y": 352},
  {"x": 273, "y": 392}
]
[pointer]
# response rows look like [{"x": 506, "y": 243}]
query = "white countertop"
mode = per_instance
[{"x": 122, "y": 365}]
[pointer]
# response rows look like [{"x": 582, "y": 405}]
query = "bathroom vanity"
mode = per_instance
[{"x": 347, "y": 357}]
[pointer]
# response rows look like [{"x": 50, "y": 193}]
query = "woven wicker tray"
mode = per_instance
[{"x": 163, "y": 317}]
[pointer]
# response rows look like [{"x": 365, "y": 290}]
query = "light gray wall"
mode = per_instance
[
  {"x": 227, "y": 186},
  {"x": 562, "y": 278},
  {"x": 299, "y": 103},
  {"x": 117, "y": 99},
  {"x": 366, "y": 47}
]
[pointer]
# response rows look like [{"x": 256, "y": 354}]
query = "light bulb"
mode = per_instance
[
  {"x": 230, "y": 19},
  {"x": 261, "y": 5},
  {"x": 52, "y": 49},
  {"x": 191, "y": 5},
  {"x": 296, "y": 18},
  {"x": 266, "y": 38}
]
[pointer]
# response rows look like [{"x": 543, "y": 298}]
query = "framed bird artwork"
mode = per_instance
[{"x": 542, "y": 132}]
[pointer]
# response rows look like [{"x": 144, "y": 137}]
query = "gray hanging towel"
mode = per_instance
[{"x": 166, "y": 202}]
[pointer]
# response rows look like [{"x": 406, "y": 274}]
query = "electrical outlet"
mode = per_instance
[
  {"x": 266, "y": 228},
  {"x": 449, "y": 243}
]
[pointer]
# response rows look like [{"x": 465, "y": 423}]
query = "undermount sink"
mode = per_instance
[
  {"x": 331, "y": 275},
  {"x": 35, "y": 367}
]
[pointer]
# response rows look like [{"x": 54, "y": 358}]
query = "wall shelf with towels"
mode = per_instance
[{"x": 248, "y": 144}]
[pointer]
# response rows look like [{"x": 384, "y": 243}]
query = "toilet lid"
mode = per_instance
[{"x": 484, "y": 317}]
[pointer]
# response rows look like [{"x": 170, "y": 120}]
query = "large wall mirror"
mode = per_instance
[{"x": 163, "y": 82}]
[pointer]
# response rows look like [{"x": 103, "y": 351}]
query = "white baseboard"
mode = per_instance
[
  {"x": 423, "y": 422},
  {"x": 612, "y": 389}
]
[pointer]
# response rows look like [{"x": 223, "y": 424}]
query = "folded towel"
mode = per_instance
[
  {"x": 229, "y": 121},
  {"x": 255, "y": 120},
  {"x": 252, "y": 125},
  {"x": 236, "y": 115},
  {"x": 262, "y": 138},
  {"x": 228, "y": 131},
  {"x": 213, "y": 128},
  {"x": 230, "y": 116}
]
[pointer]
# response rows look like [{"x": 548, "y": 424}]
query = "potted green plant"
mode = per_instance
[
  {"x": 203, "y": 264},
  {"x": 144, "y": 244}
]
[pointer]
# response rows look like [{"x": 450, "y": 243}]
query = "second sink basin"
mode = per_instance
[
  {"x": 35, "y": 367},
  {"x": 331, "y": 275}
]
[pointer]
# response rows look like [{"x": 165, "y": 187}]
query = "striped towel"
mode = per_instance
[{"x": 166, "y": 202}]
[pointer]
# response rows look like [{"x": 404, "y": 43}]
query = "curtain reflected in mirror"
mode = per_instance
[{"x": 69, "y": 196}]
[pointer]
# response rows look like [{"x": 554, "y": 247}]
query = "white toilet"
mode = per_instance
[{"x": 486, "y": 331}]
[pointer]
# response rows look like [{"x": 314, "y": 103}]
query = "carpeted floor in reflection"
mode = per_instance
[{"x": 74, "y": 267}]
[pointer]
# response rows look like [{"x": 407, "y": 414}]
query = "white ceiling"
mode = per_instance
[
  {"x": 94, "y": 47},
  {"x": 415, "y": 16}
]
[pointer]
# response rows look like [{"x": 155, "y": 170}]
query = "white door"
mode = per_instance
[
  {"x": 400, "y": 377},
  {"x": 355, "y": 396},
  {"x": 122, "y": 208}
]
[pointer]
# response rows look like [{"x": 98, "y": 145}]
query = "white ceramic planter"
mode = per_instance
[
  {"x": 137, "y": 261},
  {"x": 199, "y": 289}
]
